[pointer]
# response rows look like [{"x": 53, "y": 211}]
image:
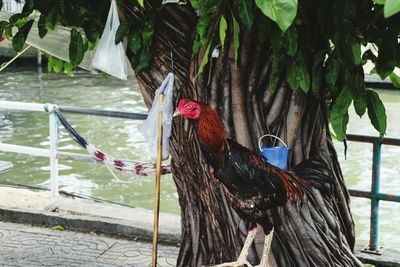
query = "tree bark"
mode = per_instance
[{"x": 320, "y": 231}]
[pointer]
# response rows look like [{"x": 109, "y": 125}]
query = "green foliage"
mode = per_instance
[
  {"x": 204, "y": 61},
  {"x": 122, "y": 31},
  {"x": 391, "y": 7},
  {"x": 339, "y": 116},
  {"x": 54, "y": 64},
  {"x": 387, "y": 54},
  {"x": 87, "y": 20},
  {"x": 395, "y": 80},
  {"x": 222, "y": 30},
  {"x": 244, "y": 8},
  {"x": 317, "y": 71},
  {"x": 77, "y": 48},
  {"x": 58, "y": 228},
  {"x": 290, "y": 40},
  {"x": 206, "y": 10},
  {"x": 376, "y": 112},
  {"x": 282, "y": 12},
  {"x": 19, "y": 38},
  {"x": 312, "y": 45},
  {"x": 236, "y": 44},
  {"x": 298, "y": 75}
]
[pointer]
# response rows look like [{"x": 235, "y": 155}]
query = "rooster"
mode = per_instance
[{"x": 250, "y": 183}]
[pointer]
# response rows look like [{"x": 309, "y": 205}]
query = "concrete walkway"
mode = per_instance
[
  {"x": 23, "y": 245},
  {"x": 96, "y": 233}
]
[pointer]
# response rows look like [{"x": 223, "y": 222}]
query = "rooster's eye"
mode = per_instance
[
  {"x": 189, "y": 106},
  {"x": 193, "y": 109}
]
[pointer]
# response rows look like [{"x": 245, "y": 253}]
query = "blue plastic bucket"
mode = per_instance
[{"x": 276, "y": 155}]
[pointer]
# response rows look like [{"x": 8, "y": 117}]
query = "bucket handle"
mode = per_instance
[{"x": 265, "y": 135}]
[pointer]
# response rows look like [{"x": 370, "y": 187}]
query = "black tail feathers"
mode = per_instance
[{"x": 317, "y": 173}]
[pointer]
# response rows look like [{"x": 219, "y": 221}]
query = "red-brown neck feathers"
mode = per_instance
[{"x": 210, "y": 131}]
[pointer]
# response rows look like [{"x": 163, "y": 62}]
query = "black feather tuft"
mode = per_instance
[{"x": 317, "y": 173}]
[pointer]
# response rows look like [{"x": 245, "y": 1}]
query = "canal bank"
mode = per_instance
[
  {"x": 37, "y": 230},
  {"x": 39, "y": 208}
]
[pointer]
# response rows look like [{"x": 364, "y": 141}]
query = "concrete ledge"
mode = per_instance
[
  {"x": 389, "y": 257},
  {"x": 83, "y": 215}
]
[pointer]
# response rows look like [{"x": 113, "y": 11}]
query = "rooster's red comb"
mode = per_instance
[{"x": 181, "y": 103}]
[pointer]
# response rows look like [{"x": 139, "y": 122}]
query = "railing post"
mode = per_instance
[
  {"x": 53, "y": 151},
  {"x": 375, "y": 188}
]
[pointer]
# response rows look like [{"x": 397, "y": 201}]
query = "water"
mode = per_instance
[
  {"x": 357, "y": 172},
  {"x": 117, "y": 137},
  {"x": 120, "y": 138}
]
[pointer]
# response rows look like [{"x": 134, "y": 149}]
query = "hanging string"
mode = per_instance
[{"x": 123, "y": 165}]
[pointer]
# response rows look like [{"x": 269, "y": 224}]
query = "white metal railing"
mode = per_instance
[{"x": 52, "y": 152}]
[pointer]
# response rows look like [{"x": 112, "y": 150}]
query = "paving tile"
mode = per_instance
[{"x": 24, "y": 245}]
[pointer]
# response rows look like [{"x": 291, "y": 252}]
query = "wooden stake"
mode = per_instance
[{"x": 158, "y": 180}]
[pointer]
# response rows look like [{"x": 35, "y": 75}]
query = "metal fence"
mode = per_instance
[
  {"x": 375, "y": 195},
  {"x": 53, "y": 153}
]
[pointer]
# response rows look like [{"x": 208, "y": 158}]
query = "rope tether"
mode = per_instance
[{"x": 124, "y": 165}]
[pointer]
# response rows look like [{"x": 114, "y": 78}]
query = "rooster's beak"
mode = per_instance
[{"x": 176, "y": 113}]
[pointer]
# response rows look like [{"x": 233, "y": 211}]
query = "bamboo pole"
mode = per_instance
[{"x": 158, "y": 180}]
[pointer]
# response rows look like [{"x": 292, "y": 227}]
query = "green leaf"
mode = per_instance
[
  {"x": 332, "y": 73},
  {"x": 278, "y": 61},
  {"x": 222, "y": 30},
  {"x": 51, "y": 19},
  {"x": 144, "y": 60},
  {"x": 339, "y": 124},
  {"x": 68, "y": 68},
  {"x": 316, "y": 79},
  {"x": 76, "y": 48},
  {"x": 297, "y": 74},
  {"x": 3, "y": 25},
  {"x": 398, "y": 55},
  {"x": 360, "y": 106},
  {"x": 58, "y": 228},
  {"x": 290, "y": 41},
  {"x": 355, "y": 81},
  {"x": 395, "y": 79},
  {"x": 245, "y": 10},
  {"x": 236, "y": 30},
  {"x": 91, "y": 30},
  {"x": 141, "y": 3},
  {"x": 376, "y": 112},
  {"x": 19, "y": 38},
  {"x": 135, "y": 42},
  {"x": 386, "y": 61},
  {"x": 339, "y": 116},
  {"x": 204, "y": 61},
  {"x": 122, "y": 31},
  {"x": 42, "y": 26},
  {"x": 55, "y": 64},
  {"x": 391, "y": 7},
  {"x": 343, "y": 101},
  {"x": 18, "y": 41},
  {"x": 368, "y": 55},
  {"x": 282, "y": 12},
  {"x": 14, "y": 18},
  {"x": 147, "y": 33},
  {"x": 356, "y": 50}
]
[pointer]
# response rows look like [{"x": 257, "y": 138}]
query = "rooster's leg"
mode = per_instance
[
  {"x": 267, "y": 248},
  {"x": 242, "y": 260}
]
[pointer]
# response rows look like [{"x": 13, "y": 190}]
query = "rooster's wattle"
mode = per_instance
[{"x": 251, "y": 184}]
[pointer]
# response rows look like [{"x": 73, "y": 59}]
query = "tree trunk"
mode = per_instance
[{"x": 320, "y": 231}]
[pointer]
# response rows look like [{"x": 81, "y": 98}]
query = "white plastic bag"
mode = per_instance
[
  {"x": 109, "y": 57},
  {"x": 149, "y": 127}
]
